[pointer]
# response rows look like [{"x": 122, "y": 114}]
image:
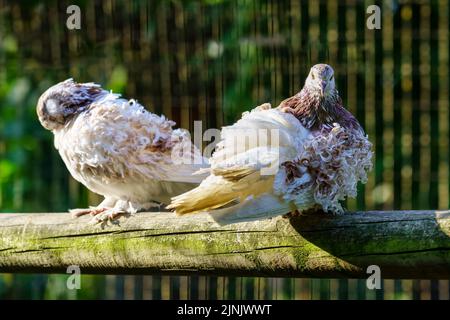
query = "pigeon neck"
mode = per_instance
[{"x": 312, "y": 109}]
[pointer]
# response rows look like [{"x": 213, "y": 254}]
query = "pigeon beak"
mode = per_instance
[{"x": 324, "y": 86}]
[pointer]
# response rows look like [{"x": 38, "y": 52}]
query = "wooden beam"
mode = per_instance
[{"x": 404, "y": 244}]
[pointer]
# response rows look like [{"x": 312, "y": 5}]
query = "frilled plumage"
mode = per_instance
[
  {"x": 322, "y": 154},
  {"x": 116, "y": 148}
]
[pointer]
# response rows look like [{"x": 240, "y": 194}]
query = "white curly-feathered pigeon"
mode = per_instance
[
  {"x": 118, "y": 149},
  {"x": 320, "y": 155}
]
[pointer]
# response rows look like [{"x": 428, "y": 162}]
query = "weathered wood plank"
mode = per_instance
[{"x": 405, "y": 244}]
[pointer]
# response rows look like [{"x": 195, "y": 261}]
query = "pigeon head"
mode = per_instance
[
  {"x": 321, "y": 80},
  {"x": 63, "y": 101},
  {"x": 318, "y": 104}
]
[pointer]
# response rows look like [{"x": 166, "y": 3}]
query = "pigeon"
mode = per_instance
[
  {"x": 315, "y": 160},
  {"x": 117, "y": 149}
]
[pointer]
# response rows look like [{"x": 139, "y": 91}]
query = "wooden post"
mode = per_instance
[{"x": 404, "y": 244}]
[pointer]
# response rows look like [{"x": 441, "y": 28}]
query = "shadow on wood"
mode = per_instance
[{"x": 404, "y": 244}]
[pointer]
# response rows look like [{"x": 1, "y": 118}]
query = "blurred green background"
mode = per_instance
[{"x": 211, "y": 60}]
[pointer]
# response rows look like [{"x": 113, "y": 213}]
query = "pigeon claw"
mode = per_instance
[
  {"x": 107, "y": 215},
  {"x": 93, "y": 211}
]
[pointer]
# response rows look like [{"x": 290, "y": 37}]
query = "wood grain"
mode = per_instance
[{"x": 404, "y": 244}]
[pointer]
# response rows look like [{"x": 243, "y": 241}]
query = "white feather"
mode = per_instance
[
  {"x": 119, "y": 150},
  {"x": 238, "y": 182}
]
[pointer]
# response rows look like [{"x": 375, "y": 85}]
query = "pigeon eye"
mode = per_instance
[{"x": 312, "y": 76}]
